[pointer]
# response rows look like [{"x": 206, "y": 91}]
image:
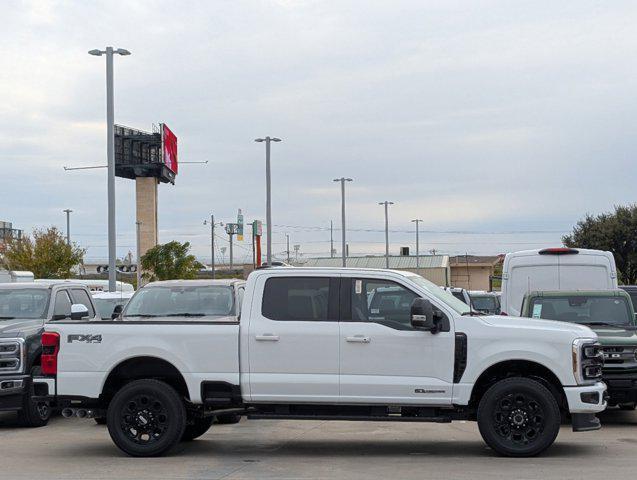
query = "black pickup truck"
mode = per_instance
[{"x": 24, "y": 309}]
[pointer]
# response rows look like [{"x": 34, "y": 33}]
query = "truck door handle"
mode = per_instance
[
  {"x": 267, "y": 337},
  {"x": 358, "y": 339}
]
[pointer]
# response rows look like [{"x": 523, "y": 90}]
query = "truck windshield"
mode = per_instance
[
  {"x": 23, "y": 303},
  {"x": 485, "y": 303},
  {"x": 438, "y": 293},
  {"x": 105, "y": 306},
  {"x": 582, "y": 309},
  {"x": 186, "y": 301}
]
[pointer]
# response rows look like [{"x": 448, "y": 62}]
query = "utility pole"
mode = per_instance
[
  {"x": 343, "y": 180},
  {"x": 287, "y": 236},
  {"x": 386, "y": 204},
  {"x": 110, "y": 154},
  {"x": 416, "y": 221},
  {"x": 268, "y": 195},
  {"x": 139, "y": 260},
  {"x": 212, "y": 242},
  {"x": 68, "y": 225},
  {"x": 331, "y": 239}
]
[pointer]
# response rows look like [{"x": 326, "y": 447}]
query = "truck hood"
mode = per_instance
[
  {"x": 19, "y": 328},
  {"x": 615, "y": 336},
  {"x": 538, "y": 324}
]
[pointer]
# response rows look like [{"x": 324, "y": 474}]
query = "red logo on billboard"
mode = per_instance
[{"x": 169, "y": 147}]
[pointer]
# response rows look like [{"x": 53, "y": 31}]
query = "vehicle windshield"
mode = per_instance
[
  {"x": 191, "y": 300},
  {"x": 105, "y": 306},
  {"x": 23, "y": 303},
  {"x": 485, "y": 303},
  {"x": 440, "y": 294},
  {"x": 584, "y": 310}
]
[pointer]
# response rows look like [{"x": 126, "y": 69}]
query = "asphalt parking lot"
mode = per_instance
[{"x": 80, "y": 449}]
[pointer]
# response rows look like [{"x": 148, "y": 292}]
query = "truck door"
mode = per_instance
[
  {"x": 293, "y": 339},
  {"x": 383, "y": 359}
]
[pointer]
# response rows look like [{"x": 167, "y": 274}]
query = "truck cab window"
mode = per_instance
[
  {"x": 383, "y": 302},
  {"x": 296, "y": 298},
  {"x": 80, "y": 296},
  {"x": 62, "y": 305}
]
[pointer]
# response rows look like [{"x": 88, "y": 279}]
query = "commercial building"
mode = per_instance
[
  {"x": 434, "y": 268},
  {"x": 474, "y": 272},
  {"x": 7, "y": 232}
]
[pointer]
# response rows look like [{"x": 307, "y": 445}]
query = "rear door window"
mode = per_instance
[{"x": 297, "y": 299}]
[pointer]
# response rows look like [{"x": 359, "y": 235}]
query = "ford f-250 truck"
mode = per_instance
[
  {"x": 338, "y": 344},
  {"x": 24, "y": 309}
]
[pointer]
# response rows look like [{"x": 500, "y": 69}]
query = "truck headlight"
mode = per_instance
[{"x": 588, "y": 360}]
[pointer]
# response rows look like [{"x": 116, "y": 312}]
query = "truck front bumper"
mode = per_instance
[
  {"x": 622, "y": 387},
  {"x": 586, "y": 398},
  {"x": 12, "y": 391}
]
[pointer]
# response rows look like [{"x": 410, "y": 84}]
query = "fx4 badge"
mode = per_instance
[{"x": 87, "y": 338}]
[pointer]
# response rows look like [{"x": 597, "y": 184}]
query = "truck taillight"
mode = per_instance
[
  {"x": 50, "y": 349},
  {"x": 559, "y": 251}
]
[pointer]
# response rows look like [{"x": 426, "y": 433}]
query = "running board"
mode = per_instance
[{"x": 351, "y": 418}]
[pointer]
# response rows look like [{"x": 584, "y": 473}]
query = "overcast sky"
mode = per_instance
[{"x": 498, "y": 123}]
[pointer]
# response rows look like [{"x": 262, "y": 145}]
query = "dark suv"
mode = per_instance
[{"x": 24, "y": 309}]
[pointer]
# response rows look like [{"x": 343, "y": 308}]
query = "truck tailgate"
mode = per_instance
[{"x": 89, "y": 351}]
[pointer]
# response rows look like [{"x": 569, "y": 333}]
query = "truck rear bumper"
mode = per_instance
[{"x": 586, "y": 398}]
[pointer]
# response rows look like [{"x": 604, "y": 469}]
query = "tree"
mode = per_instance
[
  {"x": 170, "y": 261},
  {"x": 615, "y": 232},
  {"x": 46, "y": 254}
]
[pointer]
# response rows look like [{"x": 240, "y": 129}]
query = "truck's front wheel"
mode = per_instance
[
  {"x": 518, "y": 417},
  {"x": 146, "y": 418}
]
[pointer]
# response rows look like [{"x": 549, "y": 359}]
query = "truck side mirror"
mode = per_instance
[
  {"x": 78, "y": 311},
  {"x": 422, "y": 315},
  {"x": 117, "y": 311}
]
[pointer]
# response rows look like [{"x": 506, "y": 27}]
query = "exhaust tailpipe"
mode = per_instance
[
  {"x": 81, "y": 413},
  {"x": 68, "y": 412}
]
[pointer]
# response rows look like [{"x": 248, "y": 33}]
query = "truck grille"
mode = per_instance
[
  {"x": 619, "y": 355},
  {"x": 11, "y": 355}
]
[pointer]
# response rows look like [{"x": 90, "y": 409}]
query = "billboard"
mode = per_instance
[{"x": 169, "y": 148}]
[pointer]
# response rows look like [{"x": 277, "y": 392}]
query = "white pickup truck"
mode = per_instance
[{"x": 338, "y": 344}]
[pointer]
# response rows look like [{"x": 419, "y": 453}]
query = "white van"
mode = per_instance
[{"x": 553, "y": 269}]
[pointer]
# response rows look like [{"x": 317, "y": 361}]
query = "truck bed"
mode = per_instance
[{"x": 89, "y": 351}]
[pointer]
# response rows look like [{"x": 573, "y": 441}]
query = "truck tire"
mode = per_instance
[
  {"x": 33, "y": 415},
  {"x": 518, "y": 417},
  {"x": 196, "y": 428},
  {"x": 146, "y": 418},
  {"x": 228, "y": 419}
]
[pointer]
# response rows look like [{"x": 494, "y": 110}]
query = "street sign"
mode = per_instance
[
  {"x": 240, "y": 226},
  {"x": 257, "y": 228}
]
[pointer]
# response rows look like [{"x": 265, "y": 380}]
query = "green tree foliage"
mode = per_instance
[
  {"x": 169, "y": 262},
  {"x": 45, "y": 253},
  {"x": 615, "y": 232}
]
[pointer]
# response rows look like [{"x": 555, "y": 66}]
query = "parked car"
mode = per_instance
[
  {"x": 309, "y": 346},
  {"x": 24, "y": 309},
  {"x": 460, "y": 293},
  {"x": 91, "y": 284},
  {"x": 485, "y": 302},
  {"x": 611, "y": 315},
  {"x": 111, "y": 304},
  {"x": 553, "y": 269}
]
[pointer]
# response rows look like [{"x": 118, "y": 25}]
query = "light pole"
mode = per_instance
[
  {"x": 287, "y": 237},
  {"x": 343, "y": 247},
  {"x": 416, "y": 221},
  {"x": 212, "y": 242},
  {"x": 110, "y": 151},
  {"x": 68, "y": 225},
  {"x": 386, "y": 204},
  {"x": 268, "y": 195}
]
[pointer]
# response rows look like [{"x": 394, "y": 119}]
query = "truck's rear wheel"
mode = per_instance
[
  {"x": 196, "y": 428},
  {"x": 518, "y": 417},
  {"x": 146, "y": 418}
]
